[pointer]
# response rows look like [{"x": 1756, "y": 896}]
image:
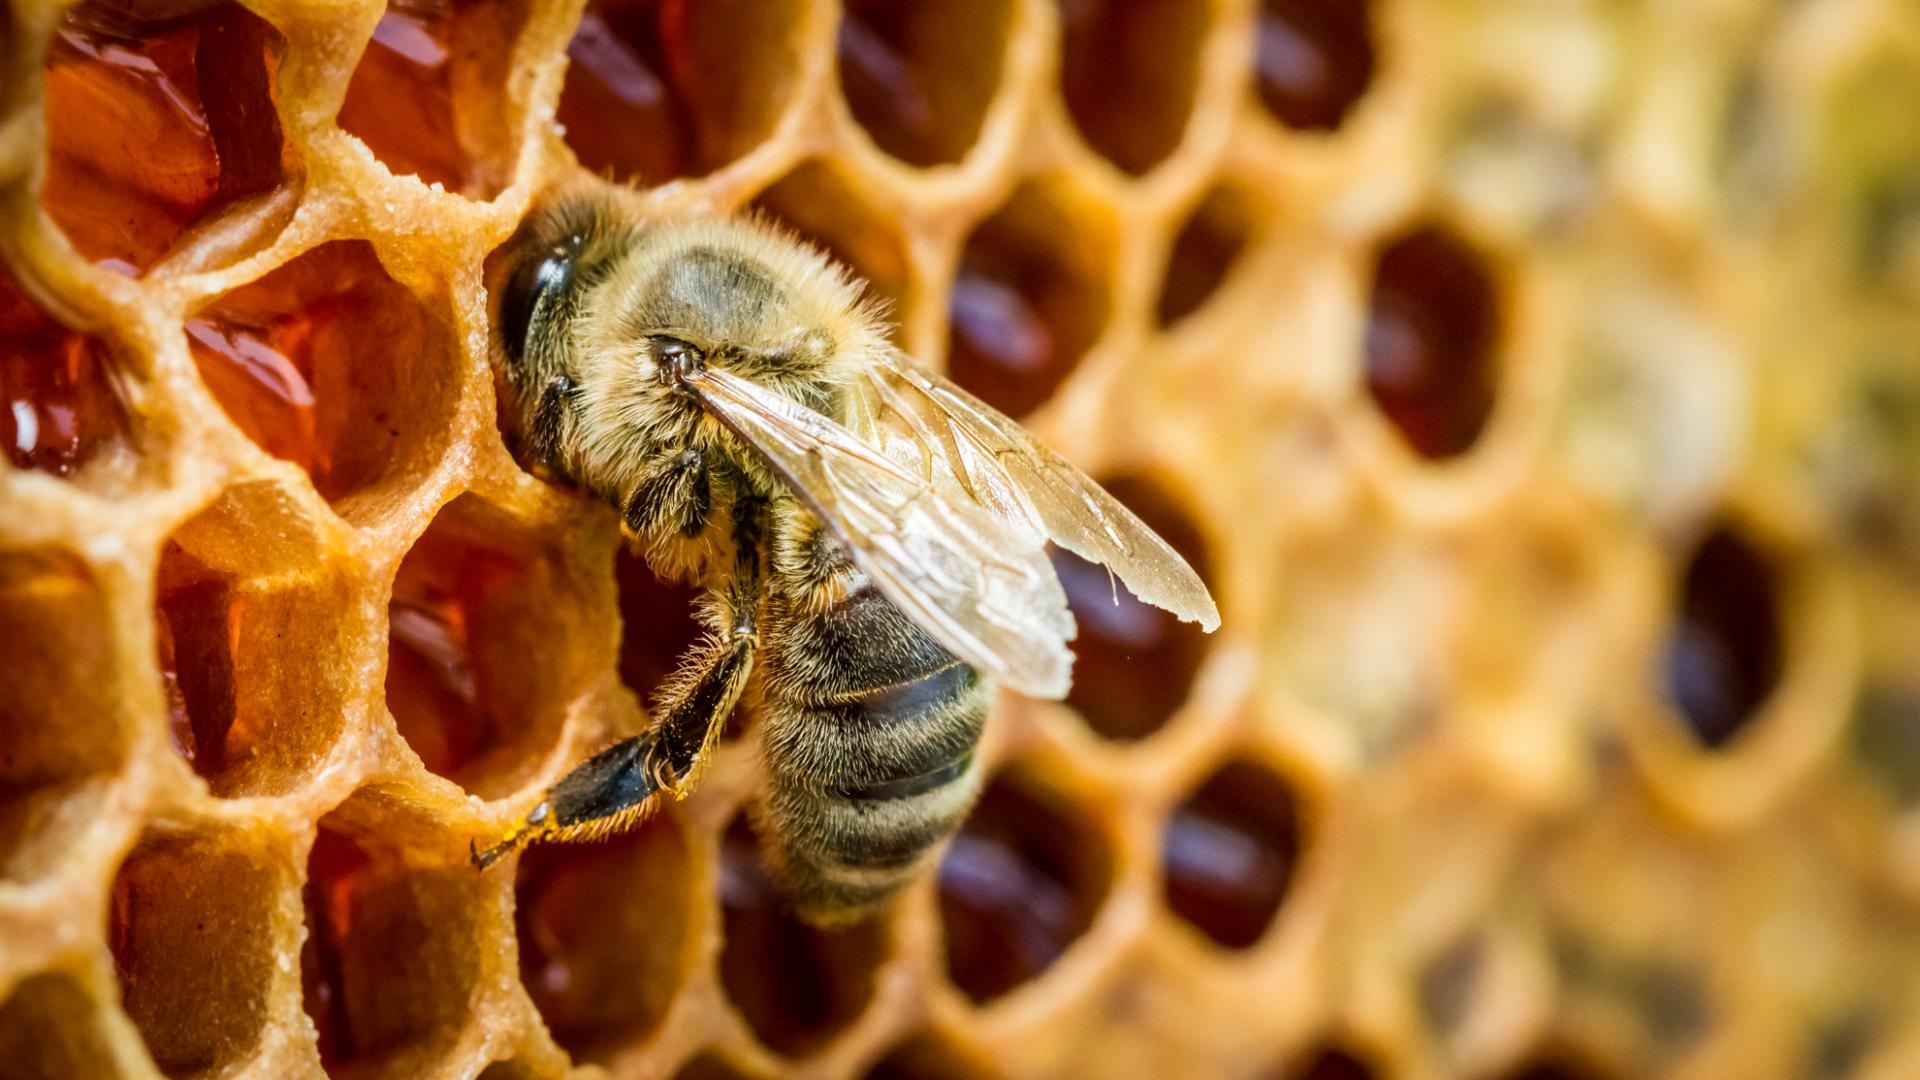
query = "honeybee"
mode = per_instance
[{"x": 871, "y": 537}]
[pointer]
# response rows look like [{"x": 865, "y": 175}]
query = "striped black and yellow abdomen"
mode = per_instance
[{"x": 870, "y": 730}]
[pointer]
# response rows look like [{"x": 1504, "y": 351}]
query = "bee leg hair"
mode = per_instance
[
  {"x": 614, "y": 788},
  {"x": 550, "y": 417}
]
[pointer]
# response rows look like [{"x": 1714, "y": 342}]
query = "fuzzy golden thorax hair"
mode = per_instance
[{"x": 593, "y": 305}]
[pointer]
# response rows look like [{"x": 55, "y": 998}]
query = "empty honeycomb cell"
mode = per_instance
[
  {"x": 659, "y": 89},
  {"x": 62, "y": 408},
  {"x": 1134, "y": 664},
  {"x": 304, "y": 361},
  {"x": 1128, "y": 69},
  {"x": 1023, "y": 879},
  {"x": 605, "y": 932},
  {"x": 920, "y": 75},
  {"x": 1433, "y": 334},
  {"x": 1351, "y": 638},
  {"x": 156, "y": 120},
  {"x": 1030, "y": 296},
  {"x": 1838, "y": 1046},
  {"x": 1723, "y": 653},
  {"x": 1205, "y": 250},
  {"x": 192, "y": 937},
  {"x": 1664, "y": 998},
  {"x": 51, "y": 1030},
  {"x": 62, "y": 727},
  {"x": 1867, "y": 165},
  {"x": 251, "y": 648},
  {"x": 1518, "y": 170},
  {"x": 478, "y": 594},
  {"x": 1886, "y": 738},
  {"x": 1447, "y": 985},
  {"x": 1873, "y": 463},
  {"x": 929, "y": 1056},
  {"x": 820, "y": 204},
  {"x": 1313, "y": 61},
  {"x": 1228, "y": 853},
  {"x": 394, "y": 939},
  {"x": 427, "y": 96},
  {"x": 797, "y": 985}
]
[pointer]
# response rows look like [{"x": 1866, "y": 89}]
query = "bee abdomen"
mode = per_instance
[
  {"x": 865, "y": 781},
  {"x": 841, "y": 855}
]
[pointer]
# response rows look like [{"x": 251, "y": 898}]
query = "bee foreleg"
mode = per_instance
[
  {"x": 549, "y": 420},
  {"x": 675, "y": 491}
]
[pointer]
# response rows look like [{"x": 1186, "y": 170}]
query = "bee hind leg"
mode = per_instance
[{"x": 614, "y": 788}]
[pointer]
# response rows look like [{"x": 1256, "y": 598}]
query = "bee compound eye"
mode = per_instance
[{"x": 535, "y": 280}]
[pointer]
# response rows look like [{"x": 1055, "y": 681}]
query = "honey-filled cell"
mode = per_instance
[
  {"x": 59, "y": 407},
  {"x": 1313, "y": 61},
  {"x": 1724, "y": 648},
  {"x": 427, "y": 96},
  {"x": 1022, "y": 881},
  {"x": 1557, "y": 1065},
  {"x": 1030, "y": 297},
  {"x": 157, "y": 119},
  {"x": 1128, "y": 70},
  {"x": 476, "y": 597},
  {"x": 1434, "y": 328},
  {"x": 929, "y": 1056},
  {"x": 1228, "y": 853},
  {"x": 660, "y": 89},
  {"x": 796, "y": 985},
  {"x": 191, "y": 931},
  {"x": 1134, "y": 664},
  {"x": 1205, "y": 250},
  {"x": 252, "y": 645},
  {"x": 605, "y": 934},
  {"x": 394, "y": 936},
  {"x": 303, "y": 361},
  {"x": 63, "y": 732},
  {"x": 919, "y": 76},
  {"x": 1330, "y": 1063}
]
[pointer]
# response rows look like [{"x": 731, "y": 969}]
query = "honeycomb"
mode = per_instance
[{"x": 1537, "y": 382}]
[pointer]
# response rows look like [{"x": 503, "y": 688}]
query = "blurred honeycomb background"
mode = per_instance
[{"x": 1537, "y": 382}]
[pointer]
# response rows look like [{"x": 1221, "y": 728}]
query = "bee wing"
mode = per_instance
[
  {"x": 959, "y": 443},
  {"x": 979, "y": 585}
]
